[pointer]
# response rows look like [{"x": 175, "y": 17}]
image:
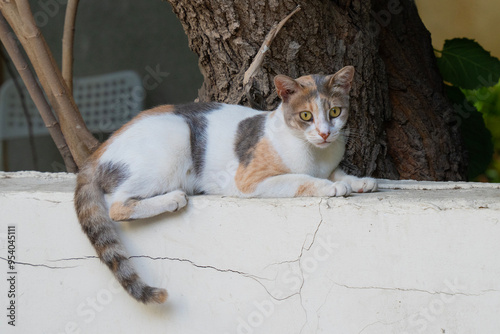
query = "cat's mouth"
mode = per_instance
[{"x": 322, "y": 144}]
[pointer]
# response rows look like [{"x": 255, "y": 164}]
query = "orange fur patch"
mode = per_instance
[
  {"x": 265, "y": 163},
  {"x": 304, "y": 99},
  {"x": 159, "y": 296},
  {"x": 306, "y": 80},
  {"x": 301, "y": 103},
  {"x": 306, "y": 189},
  {"x": 98, "y": 153},
  {"x": 119, "y": 211},
  {"x": 158, "y": 110}
]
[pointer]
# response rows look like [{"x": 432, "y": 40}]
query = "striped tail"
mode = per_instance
[{"x": 94, "y": 219}]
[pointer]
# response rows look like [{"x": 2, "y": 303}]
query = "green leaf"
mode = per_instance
[
  {"x": 465, "y": 64},
  {"x": 476, "y": 137},
  {"x": 485, "y": 99}
]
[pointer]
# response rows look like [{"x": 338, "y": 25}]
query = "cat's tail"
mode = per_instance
[{"x": 96, "y": 223}]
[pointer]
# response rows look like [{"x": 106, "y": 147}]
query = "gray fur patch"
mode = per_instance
[
  {"x": 250, "y": 131},
  {"x": 321, "y": 85},
  {"x": 195, "y": 116},
  {"x": 110, "y": 175}
]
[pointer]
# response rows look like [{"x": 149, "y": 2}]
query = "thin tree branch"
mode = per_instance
[
  {"x": 68, "y": 42},
  {"x": 259, "y": 58},
  {"x": 36, "y": 94}
]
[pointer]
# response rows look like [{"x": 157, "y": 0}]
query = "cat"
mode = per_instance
[{"x": 153, "y": 162}]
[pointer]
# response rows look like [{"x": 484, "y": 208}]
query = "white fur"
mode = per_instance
[
  {"x": 169, "y": 202},
  {"x": 155, "y": 166}
]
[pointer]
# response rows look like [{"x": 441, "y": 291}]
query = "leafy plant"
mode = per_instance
[
  {"x": 487, "y": 101},
  {"x": 465, "y": 64},
  {"x": 468, "y": 70}
]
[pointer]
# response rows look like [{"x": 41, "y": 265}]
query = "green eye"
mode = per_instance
[
  {"x": 335, "y": 112},
  {"x": 306, "y": 116}
]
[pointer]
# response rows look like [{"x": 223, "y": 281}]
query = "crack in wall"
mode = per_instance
[
  {"x": 299, "y": 292},
  {"x": 304, "y": 247},
  {"x": 155, "y": 258},
  {"x": 237, "y": 272},
  {"x": 317, "y": 228},
  {"x": 37, "y": 265},
  {"x": 297, "y": 261},
  {"x": 370, "y": 325},
  {"x": 88, "y": 257},
  {"x": 325, "y": 300},
  {"x": 45, "y": 200},
  {"x": 198, "y": 265},
  {"x": 241, "y": 273},
  {"x": 417, "y": 290},
  {"x": 380, "y": 322}
]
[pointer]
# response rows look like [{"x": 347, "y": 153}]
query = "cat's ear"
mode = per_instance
[
  {"x": 342, "y": 79},
  {"x": 285, "y": 86}
]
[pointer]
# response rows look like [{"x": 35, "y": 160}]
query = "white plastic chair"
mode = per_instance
[{"x": 106, "y": 102}]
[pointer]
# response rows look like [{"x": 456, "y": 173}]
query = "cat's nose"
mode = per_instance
[{"x": 324, "y": 135}]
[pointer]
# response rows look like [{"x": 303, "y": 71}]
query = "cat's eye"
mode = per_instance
[
  {"x": 335, "y": 112},
  {"x": 306, "y": 116}
]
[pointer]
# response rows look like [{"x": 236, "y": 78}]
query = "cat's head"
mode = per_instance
[{"x": 316, "y": 106}]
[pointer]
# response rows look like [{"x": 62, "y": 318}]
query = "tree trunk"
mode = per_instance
[{"x": 400, "y": 121}]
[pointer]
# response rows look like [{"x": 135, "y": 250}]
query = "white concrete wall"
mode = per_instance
[{"x": 397, "y": 261}]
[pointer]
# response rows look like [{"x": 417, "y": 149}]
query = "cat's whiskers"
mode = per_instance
[{"x": 352, "y": 138}]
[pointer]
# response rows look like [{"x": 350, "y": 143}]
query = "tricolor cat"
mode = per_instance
[{"x": 153, "y": 162}]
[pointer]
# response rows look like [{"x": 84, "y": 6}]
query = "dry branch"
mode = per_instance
[
  {"x": 67, "y": 43},
  {"x": 259, "y": 58},
  {"x": 36, "y": 94}
]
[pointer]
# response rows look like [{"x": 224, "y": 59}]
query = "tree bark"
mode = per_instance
[{"x": 400, "y": 120}]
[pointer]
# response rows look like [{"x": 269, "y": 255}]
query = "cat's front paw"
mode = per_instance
[
  {"x": 175, "y": 201},
  {"x": 364, "y": 185},
  {"x": 337, "y": 189}
]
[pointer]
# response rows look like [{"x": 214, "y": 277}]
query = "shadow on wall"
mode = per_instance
[{"x": 143, "y": 36}]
